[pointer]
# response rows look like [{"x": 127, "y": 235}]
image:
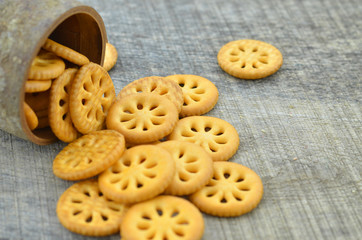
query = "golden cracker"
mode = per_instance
[
  {"x": 157, "y": 85},
  {"x": 83, "y": 209},
  {"x": 110, "y": 57},
  {"x": 30, "y": 117},
  {"x": 142, "y": 117},
  {"x": 142, "y": 173},
  {"x": 164, "y": 217},
  {"x": 91, "y": 95},
  {"x": 37, "y": 85},
  {"x": 59, "y": 116},
  {"x": 249, "y": 59},
  {"x": 218, "y": 137},
  {"x": 45, "y": 66},
  {"x": 89, "y": 155},
  {"x": 199, "y": 94},
  {"x": 234, "y": 190},
  {"x": 194, "y": 167},
  {"x": 65, "y": 52}
]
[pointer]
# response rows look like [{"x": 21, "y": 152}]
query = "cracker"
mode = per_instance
[
  {"x": 142, "y": 117},
  {"x": 249, "y": 59},
  {"x": 38, "y": 100},
  {"x": 194, "y": 167},
  {"x": 157, "y": 85},
  {"x": 142, "y": 173},
  {"x": 65, "y": 52},
  {"x": 164, "y": 217},
  {"x": 45, "y": 66},
  {"x": 91, "y": 95},
  {"x": 110, "y": 57},
  {"x": 83, "y": 209},
  {"x": 59, "y": 116},
  {"x": 199, "y": 94},
  {"x": 234, "y": 190},
  {"x": 218, "y": 137},
  {"x": 89, "y": 155},
  {"x": 37, "y": 85},
  {"x": 30, "y": 117}
]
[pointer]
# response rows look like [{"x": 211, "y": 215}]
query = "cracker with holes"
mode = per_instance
[
  {"x": 83, "y": 209},
  {"x": 91, "y": 95},
  {"x": 218, "y": 137},
  {"x": 110, "y": 57},
  {"x": 89, "y": 155},
  {"x": 249, "y": 59},
  {"x": 142, "y": 117},
  {"x": 30, "y": 116},
  {"x": 59, "y": 116},
  {"x": 164, "y": 217},
  {"x": 32, "y": 86},
  {"x": 65, "y": 52},
  {"x": 234, "y": 190},
  {"x": 157, "y": 85},
  {"x": 194, "y": 167},
  {"x": 199, "y": 94},
  {"x": 45, "y": 66},
  {"x": 142, "y": 173}
]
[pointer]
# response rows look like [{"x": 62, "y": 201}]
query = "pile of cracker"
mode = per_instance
[{"x": 148, "y": 160}]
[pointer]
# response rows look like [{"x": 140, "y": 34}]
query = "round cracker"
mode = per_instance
[
  {"x": 65, "y": 52},
  {"x": 91, "y": 95},
  {"x": 157, "y": 85},
  {"x": 32, "y": 86},
  {"x": 59, "y": 116},
  {"x": 45, "y": 66},
  {"x": 110, "y": 57},
  {"x": 218, "y": 137},
  {"x": 83, "y": 209},
  {"x": 142, "y": 117},
  {"x": 164, "y": 217},
  {"x": 142, "y": 173},
  {"x": 89, "y": 155},
  {"x": 249, "y": 59},
  {"x": 194, "y": 167},
  {"x": 199, "y": 94},
  {"x": 234, "y": 190}
]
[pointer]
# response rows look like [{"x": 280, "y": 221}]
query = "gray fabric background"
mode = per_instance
[{"x": 300, "y": 129}]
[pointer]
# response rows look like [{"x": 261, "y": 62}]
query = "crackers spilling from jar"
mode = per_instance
[{"x": 147, "y": 160}]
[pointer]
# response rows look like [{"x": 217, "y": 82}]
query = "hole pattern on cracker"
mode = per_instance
[{"x": 232, "y": 185}]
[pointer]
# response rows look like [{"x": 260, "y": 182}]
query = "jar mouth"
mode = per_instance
[{"x": 81, "y": 29}]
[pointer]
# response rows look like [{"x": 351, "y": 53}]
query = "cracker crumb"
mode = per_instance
[{"x": 295, "y": 159}]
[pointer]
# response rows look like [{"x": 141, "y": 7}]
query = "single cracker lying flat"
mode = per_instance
[
  {"x": 45, "y": 66},
  {"x": 110, "y": 57},
  {"x": 249, "y": 59},
  {"x": 38, "y": 100},
  {"x": 234, "y": 190},
  {"x": 142, "y": 173},
  {"x": 30, "y": 117},
  {"x": 157, "y": 85},
  {"x": 142, "y": 117},
  {"x": 218, "y": 137},
  {"x": 89, "y": 155},
  {"x": 199, "y": 94},
  {"x": 164, "y": 217},
  {"x": 91, "y": 95},
  {"x": 65, "y": 52},
  {"x": 37, "y": 85},
  {"x": 59, "y": 116},
  {"x": 194, "y": 167},
  {"x": 83, "y": 209}
]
